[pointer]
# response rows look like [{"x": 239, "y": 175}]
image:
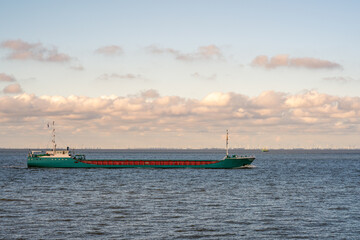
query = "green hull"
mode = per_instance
[{"x": 69, "y": 162}]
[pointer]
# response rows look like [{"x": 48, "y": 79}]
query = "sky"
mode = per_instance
[{"x": 177, "y": 74}]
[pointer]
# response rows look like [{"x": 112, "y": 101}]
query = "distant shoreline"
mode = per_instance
[{"x": 195, "y": 149}]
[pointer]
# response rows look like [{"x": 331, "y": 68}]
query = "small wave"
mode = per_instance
[
  {"x": 195, "y": 230},
  {"x": 16, "y": 167},
  {"x": 121, "y": 212},
  {"x": 198, "y": 236},
  {"x": 95, "y": 233},
  {"x": 247, "y": 167},
  {"x": 199, "y": 190},
  {"x": 60, "y": 220},
  {"x": 267, "y": 229},
  {"x": 339, "y": 208},
  {"x": 204, "y": 230},
  {"x": 238, "y": 222},
  {"x": 11, "y": 200}
]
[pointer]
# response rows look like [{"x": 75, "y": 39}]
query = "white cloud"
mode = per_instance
[
  {"x": 77, "y": 67},
  {"x": 216, "y": 99},
  {"x": 13, "y": 89},
  {"x": 309, "y": 99},
  {"x": 151, "y": 93},
  {"x": 111, "y": 50},
  {"x": 210, "y": 52},
  {"x": 340, "y": 79},
  {"x": 272, "y": 112},
  {"x": 203, "y": 77},
  {"x": 285, "y": 61},
  {"x": 6, "y": 78},
  {"x": 115, "y": 76},
  {"x": 269, "y": 99},
  {"x": 21, "y": 50}
]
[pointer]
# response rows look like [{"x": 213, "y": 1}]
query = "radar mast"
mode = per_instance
[{"x": 227, "y": 143}]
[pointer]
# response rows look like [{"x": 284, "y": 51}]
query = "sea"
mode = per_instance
[{"x": 284, "y": 194}]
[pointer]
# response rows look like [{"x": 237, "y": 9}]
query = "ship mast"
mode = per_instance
[
  {"x": 227, "y": 142},
  {"x": 53, "y": 137}
]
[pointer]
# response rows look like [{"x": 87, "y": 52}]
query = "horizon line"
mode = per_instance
[{"x": 161, "y": 148}]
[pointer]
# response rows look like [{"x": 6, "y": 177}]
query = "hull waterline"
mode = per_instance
[{"x": 71, "y": 162}]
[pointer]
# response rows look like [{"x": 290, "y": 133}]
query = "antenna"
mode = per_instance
[
  {"x": 53, "y": 137},
  {"x": 227, "y": 142}
]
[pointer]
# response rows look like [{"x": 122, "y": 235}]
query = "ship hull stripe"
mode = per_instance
[{"x": 129, "y": 163}]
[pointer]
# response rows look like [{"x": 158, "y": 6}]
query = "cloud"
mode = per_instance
[
  {"x": 13, "y": 89},
  {"x": 77, "y": 67},
  {"x": 151, "y": 93},
  {"x": 270, "y": 113},
  {"x": 6, "y": 78},
  {"x": 286, "y": 61},
  {"x": 339, "y": 79},
  {"x": 268, "y": 99},
  {"x": 313, "y": 63},
  {"x": 21, "y": 50},
  {"x": 111, "y": 50},
  {"x": 210, "y": 52},
  {"x": 202, "y": 77},
  {"x": 309, "y": 99},
  {"x": 216, "y": 99},
  {"x": 115, "y": 76}
]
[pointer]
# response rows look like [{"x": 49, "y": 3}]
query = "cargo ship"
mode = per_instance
[{"x": 66, "y": 159}]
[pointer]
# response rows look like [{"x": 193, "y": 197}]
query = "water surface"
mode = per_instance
[{"x": 288, "y": 194}]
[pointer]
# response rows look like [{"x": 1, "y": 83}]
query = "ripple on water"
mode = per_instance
[
  {"x": 288, "y": 195},
  {"x": 11, "y": 200}
]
